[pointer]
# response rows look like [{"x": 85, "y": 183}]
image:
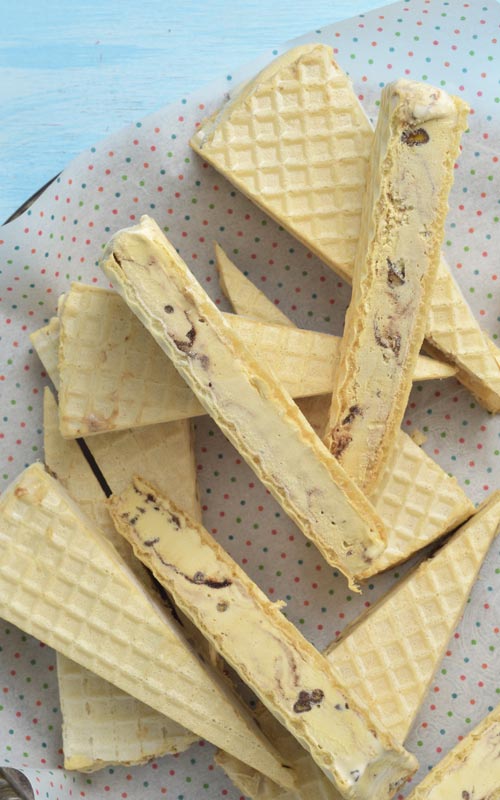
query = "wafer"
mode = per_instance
[
  {"x": 101, "y": 724},
  {"x": 244, "y": 398},
  {"x": 296, "y": 141},
  {"x": 390, "y": 653},
  {"x": 113, "y": 374},
  {"x": 415, "y": 498},
  {"x": 388, "y": 656},
  {"x": 471, "y": 771},
  {"x": 63, "y": 582},
  {"x": 416, "y": 143},
  {"x": 287, "y": 673}
]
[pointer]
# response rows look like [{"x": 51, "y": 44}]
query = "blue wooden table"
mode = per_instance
[{"x": 70, "y": 73}]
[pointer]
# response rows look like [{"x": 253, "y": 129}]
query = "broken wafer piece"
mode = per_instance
[
  {"x": 287, "y": 673},
  {"x": 389, "y": 654},
  {"x": 471, "y": 771},
  {"x": 63, "y": 582},
  {"x": 417, "y": 140},
  {"x": 244, "y": 398},
  {"x": 101, "y": 724},
  {"x": 114, "y": 375},
  {"x": 416, "y": 499},
  {"x": 297, "y": 142}
]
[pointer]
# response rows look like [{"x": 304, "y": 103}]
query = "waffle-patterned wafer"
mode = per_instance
[
  {"x": 416, "y": 143},
  {"x": 244, "y": 398},
  {"x": 46, "y": 343},
  {"x": 243, "y": 295},
  {"x": 98, "y": 369},
  {"x": 390, "y": 653},
  {"x": 111, "y": 350},
  {"x": 416, "y": 499},
  {"x": 296, "y": 141},
  {"x": 471, "y": 771},
  {"x": 101, "y": 724},
  {"x": 63, "y": 582},
  {"x": 287, "y": 673}
]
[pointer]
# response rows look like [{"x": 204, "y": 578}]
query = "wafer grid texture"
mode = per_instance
[
  {"x": 127, "y": 383},
  {"x": 46, "y": 343},
  {"x": 108, "y": 726},
  {"x": 280, "y": 147},
  {"x": 414, "y": 623},
  {"x": 303, "y": 361},
  {"x": 417, "y": 500}
]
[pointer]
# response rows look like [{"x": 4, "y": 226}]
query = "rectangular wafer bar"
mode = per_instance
[
  {"x": 63, "y": 582},
  {"x": 114, "y": 375},
  {"x": 288, "y": 674},
  {"x": 296, "y": 141},
  {"x": 416, "y": 143},
  {"x": 244, "y": 398}
]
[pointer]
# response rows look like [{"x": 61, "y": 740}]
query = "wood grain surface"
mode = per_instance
[{"x": 71, "y": 73}]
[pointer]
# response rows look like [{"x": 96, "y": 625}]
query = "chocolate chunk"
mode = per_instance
[
  {"x": 199, "y": 578},
  {"x": 168, "y": 309},
  {"x": 354, "y": 411},
  {"x": 184, "y": 347},
  {"x": 387, "y": 340},
  {"x": 191, "y": 334},
  {"x": 395, "y": 272},
  {"x": 306, "y": 700},
  {"x": 174, "y": 519},
  {"x": 415, "y": 137},
  {"x": 217, "y": 584},
  {"x": 151, "y": 542},
  {"x": 340, "y": 440}
]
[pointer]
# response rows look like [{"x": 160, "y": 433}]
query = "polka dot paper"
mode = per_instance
[{"x": 149, "y": 168}]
